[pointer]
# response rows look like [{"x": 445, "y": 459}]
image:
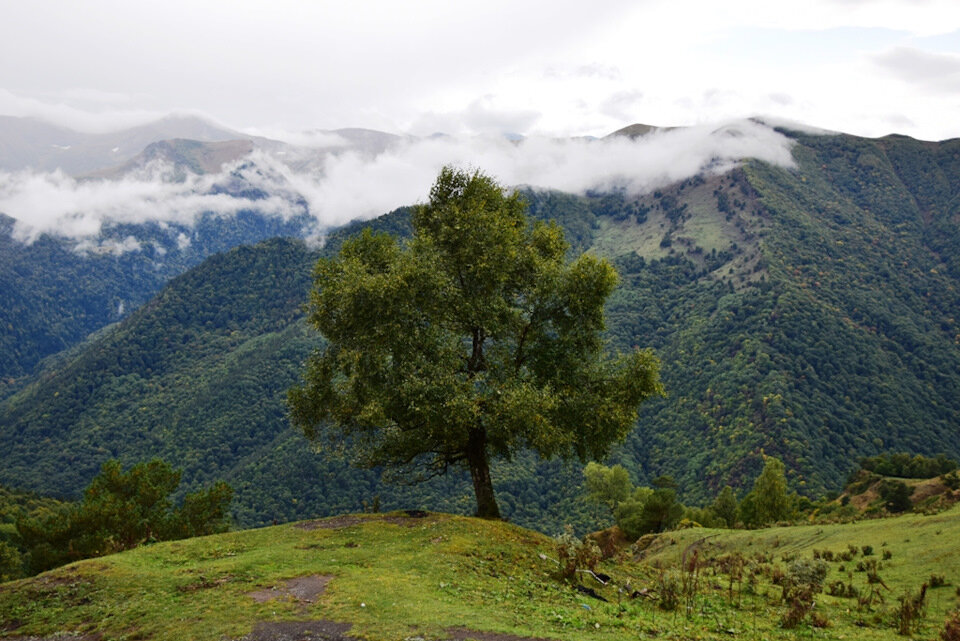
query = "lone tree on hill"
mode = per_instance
[{"x": 471, "y": 341}]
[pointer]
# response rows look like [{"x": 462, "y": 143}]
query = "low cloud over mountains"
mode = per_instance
[{"x": 361, "y": 174}]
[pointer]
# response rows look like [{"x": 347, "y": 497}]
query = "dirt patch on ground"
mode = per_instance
[
  {"x": 57, "y": 579},
  {"x": 299, "y": 631},
  {"x": 203, "y": 583},
  {"x": 303, "y": 589},
  {"x": 463, "y": 634},
  {"x": 407, "y": 518},
  {"x": 927, "y": 488}
]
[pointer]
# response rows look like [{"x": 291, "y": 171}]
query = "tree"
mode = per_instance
[
  {"x": 661, "y": 511},
  {"x": 895, "y": 495},
  {"x": 768, "y": 501},
  {"x": 471, "y": 341},
  {"x": 607, "y": 485},
  {"x": 725, "y": 506},
  {"x": 121, "y": 510}
]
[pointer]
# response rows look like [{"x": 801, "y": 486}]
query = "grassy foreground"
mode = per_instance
[{"x": 399, "y": 577}]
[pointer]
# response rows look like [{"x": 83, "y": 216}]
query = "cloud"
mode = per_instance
[
  {"x": 101, "y": 119},
  {"x": 335, "y": 188},
  {"x": 482, "y": 116},
  {"x": 623, "y": 105},
  {"x": 596, "y": 70},
  {"x": 938, "y": 72},
  {"x": 58, "y": 204},
  {"x": 313, "y": 139},
  {"x": 351, "y": 186}
]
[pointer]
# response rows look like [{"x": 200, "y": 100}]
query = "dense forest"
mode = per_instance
[
  {"x": 54, "y": 292},
  {"x": 805, "y": 313}
]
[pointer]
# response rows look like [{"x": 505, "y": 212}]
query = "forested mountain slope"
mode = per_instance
[
  {"x": 806, "y": 313},
  {"x": 844, "y": 342},
  {"x": 54, "y": 292}
]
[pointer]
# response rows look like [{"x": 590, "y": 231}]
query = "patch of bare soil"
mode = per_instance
[
  {"x": 927, "y": 488},
  {"x": 303, "y": 589},
  {"x": 203, "y": 583},
  {"x": 299, "y": 631},
  {"x": 464, "y": 634}
]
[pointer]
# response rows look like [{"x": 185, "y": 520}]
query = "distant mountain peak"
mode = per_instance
[
  {"x": 196, "y": 156},
  {"x": 33, "y": 143},
  {"x": 635, "y": 131}
]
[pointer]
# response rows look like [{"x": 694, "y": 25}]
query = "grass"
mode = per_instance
[{"x": 399, "y": 577}]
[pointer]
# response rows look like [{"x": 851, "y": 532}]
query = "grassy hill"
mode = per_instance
[{"x": 435, "y": 576}]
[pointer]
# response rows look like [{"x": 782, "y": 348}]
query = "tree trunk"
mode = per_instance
[{"x": 480, "y": 473}]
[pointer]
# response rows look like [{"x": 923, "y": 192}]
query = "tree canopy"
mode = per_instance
[
  {"x": 473, "y": 340},
  {"x": 120, "y": 510},
  {"x": 770, "y": 500}
]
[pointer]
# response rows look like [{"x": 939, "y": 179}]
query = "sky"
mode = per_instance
[{"x": 538, "y": 68}]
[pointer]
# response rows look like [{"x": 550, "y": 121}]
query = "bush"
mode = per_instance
[
  {"x": 951, "y": 628},
  {"x": 576, "y": 554},
  {"x": 951, "y": 480},
  {"x": 906, "y": 618},
  {"x": 669, "y": 589},
  {"x": 895, "y": 495},
  {"x": 843, "y": 590},
  {"x": 801, "y": 583}
]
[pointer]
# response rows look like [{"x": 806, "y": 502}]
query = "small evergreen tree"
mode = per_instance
[
  {"x": 725, "y": 506},
  {"x": 661, "y": 511},
  {"x": 629, "y": 513},
  {"x": 769, "y": 499}
]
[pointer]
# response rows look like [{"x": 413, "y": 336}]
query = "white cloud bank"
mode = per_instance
[{"x": 351, "y": 184}]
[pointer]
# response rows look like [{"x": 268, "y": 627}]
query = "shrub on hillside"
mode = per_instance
[
  {"x": 951, "y": 628},
  {"x": 575, "y": 554},
  {"x": 801, "y": 583},
  {"x": 895, "y": 495}
]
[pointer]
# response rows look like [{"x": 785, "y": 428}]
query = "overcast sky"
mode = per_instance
[{"x": 550, "y": 67}]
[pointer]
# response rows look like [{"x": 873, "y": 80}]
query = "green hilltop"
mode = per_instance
[
  {"x": 417, "y": 575},
  {"x": 806, "y": 313}
]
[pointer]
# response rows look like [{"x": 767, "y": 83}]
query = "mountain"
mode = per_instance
[
  {"x": 805, "y": 312},
  {"x": 199, "y": 376},
  {"x": 184, "y": 154},
  {"x": 56, "y": 288},
  {"x": 54, "y": 292},
  {"x": 35, "y": 144},
  {"x": 635, "y": 130}
]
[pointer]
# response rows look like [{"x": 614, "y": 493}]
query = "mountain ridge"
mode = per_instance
[{"x": 806, "y": 313}]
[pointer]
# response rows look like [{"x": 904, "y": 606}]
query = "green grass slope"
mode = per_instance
[{"x": 435, "y": 576}]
